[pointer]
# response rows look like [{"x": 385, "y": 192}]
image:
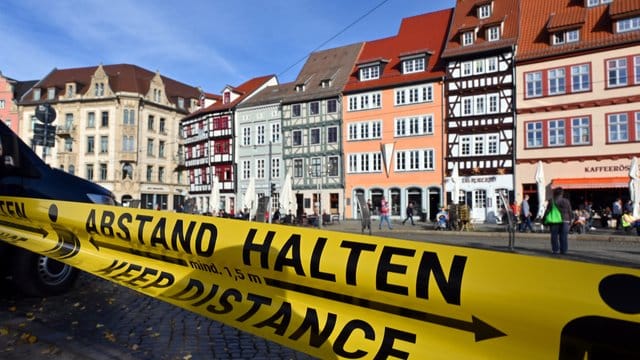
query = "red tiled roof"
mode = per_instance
[
  {"x": 122, "y": 77},
  {"x": 566, "y": 19},
  {"x": 244, "y": 90},
  {"x": 624, "y": 8},
  {"x": 598, "y": 29},
  {"x": 465, "y": 18},
  {"x": 424, "y": 33}
]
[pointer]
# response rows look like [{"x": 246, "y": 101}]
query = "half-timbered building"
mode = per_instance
[{"x": 480, "y": 110}]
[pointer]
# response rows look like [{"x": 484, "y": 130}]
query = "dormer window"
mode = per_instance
[
  {"x": 413, "y": 65},
  {"x": 226, "y": 97},
  {"x": 180, "y": 102},
  {"x": 630, "y": 24},
  {"x": 99, "y": 89},
  {"x": 300, "y": 88},
  {"x": 484, "y": 11},
  {"x": 325, "y": 83},
  {"x": 36, "y": 94},
  {"x": 370, "y": 73},
  {"x": 71, "y": 90},
  {"x": 51, "y": 93},
  {"x": 493, "y": 33},
  {"x": 592, "y": 3},
  {"x": 563, "y": 37},
  {"x": 467, "y": 38},
  {"x": 157, "y": 95}
]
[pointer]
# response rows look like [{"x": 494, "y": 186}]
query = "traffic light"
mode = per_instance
[{"x": 273, "y": 188}]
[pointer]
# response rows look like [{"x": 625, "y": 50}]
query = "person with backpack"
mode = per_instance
[{"x": 558, "y": 217}]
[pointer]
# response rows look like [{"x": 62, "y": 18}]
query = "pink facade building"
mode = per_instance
[{"x": 392, "y": 130}]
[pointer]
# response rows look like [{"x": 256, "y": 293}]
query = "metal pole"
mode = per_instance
[
  {"x": 271, "y": 193},
  {"x": 44, "y": 141}
]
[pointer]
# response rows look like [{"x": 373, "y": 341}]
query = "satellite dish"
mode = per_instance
[{"x": 45, "y": 113}]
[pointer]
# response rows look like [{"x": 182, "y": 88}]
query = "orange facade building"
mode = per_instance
[{"x": 393, "y": 120}]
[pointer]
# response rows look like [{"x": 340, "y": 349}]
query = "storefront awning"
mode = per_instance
[{"x": 592, "y": 183}]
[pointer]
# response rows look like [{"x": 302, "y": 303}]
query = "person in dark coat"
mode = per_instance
[
  {"x": 409, "y": 214},
  {"x": 560, "y": 232}
]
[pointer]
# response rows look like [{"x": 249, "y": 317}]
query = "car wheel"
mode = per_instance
[{"x": 39, "y": 275}]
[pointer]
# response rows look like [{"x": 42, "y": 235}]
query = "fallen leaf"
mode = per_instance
[
  {"x": 12, "y": 308},
  {"x": 187, "y": 357},
  {"x": 30, "y": 316},
  {"x": 98, "y": 326},
  {"x": 110, "y": 336},
  {"x": 135, "y": 347},
  {"x": 4, "y": 331}
]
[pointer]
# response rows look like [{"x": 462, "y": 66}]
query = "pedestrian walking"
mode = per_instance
[
  {"x": 409, "y": 214},
  {"x": 560, "y": 231},
  {"x": 384, "y": 213},
  {"x": 616, "y": 212},
  {"x": 525, "y": 215}
]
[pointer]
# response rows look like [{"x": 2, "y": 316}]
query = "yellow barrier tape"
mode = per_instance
[{"x": 339, "y": 295}]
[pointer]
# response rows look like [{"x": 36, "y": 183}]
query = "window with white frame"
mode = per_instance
[
  {"x": 260, "y": 134},
  {"x": 314, "y": 136},
  {"x": 534, "y": 134},
  {"x": 296, "y": 110},
  {"x": 493, "y": 33},
  {"x": 563, "y": 37},
  {"x": 580, "y": 78},
  {"x": 492, "y": 64},
  {"x": 332, "y": 106},
  {"x": 478, "y": 145},
  {"x": 493, "y": 144},
  {"x": 298, "y": 168},
  {"x": 246, "y": 169},
  {"x": 617, "y": 72},
  {"x": 414, "y": 95},
  {"x": 413, "y": 125},
  {"x": 484, "y": 11},
  {"x": 467, "y": 68},
  {"x": 314, "y": 108},
  {"x": 365, "y": 130},
  {"x": 556, "y": 81},
  {"x": 591, "y": 3},
  {"x": 2, "y": 104},
  {"x": 414, "y": 160},
  {"x": 636, "y": 69},
  {"x": 467, "y": 106},
  {"x": 332, "y": 134},
  {"x": 637, "y": 126},
  {"x": 556, "y": 132},
  {"x": 493, "y": 101},
  {"x": 479, "y": 199},
  {"x": 51, "y": 93},
  {"x": 364, "y": 163},
  {"x": 334, "y": 166},
  {"x": 467, "y": 38},
  {"x": 618, "y": 126},
  {"x": 413, "y": 65},
  {"x": 246, "y": 136},
  {"x": 478, "y": 66},
  {"x": 275, "y": 168},
  {"x": 365, "y": 101},
  {"x": 297, "y": 137},
  {"x": 276, "y": 134},
  {"x": 370, "y": 72},
  {"x": 465, "y": 146},
  {"x": 479, "y": 108},
  {"x": 534, "y": 84},
  {"x": 315, "y": 167},
  {"x": 580, "y": 134},
  {"x": 260, "y": 167},
  {"x": 629, "y": 24}
]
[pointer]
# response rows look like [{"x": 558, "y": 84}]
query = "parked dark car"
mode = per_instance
[{"x": 24, "y": 174}]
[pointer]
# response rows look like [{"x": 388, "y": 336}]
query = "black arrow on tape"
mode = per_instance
[
  {"x": 98, "y": 244},
  {"x": 32, "y": 229},
  {"x": 479, "y": 328}
]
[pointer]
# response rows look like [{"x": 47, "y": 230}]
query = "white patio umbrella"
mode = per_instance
[
  {"x": 634, "y": 186},
  {"x": 249, "y": 200},
  {"x": 542, "y": 188},
  {"x": 287, "y": 198},
  {"x": 455, "y": 181},
  {"x": 214, "y": 198}
]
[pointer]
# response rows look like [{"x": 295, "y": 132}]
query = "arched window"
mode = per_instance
[
  {"x": 72, "y": 170},
  {"x": 127, "y": 171}
]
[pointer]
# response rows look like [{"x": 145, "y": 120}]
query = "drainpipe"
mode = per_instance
[{"x": 443, "y": 195}]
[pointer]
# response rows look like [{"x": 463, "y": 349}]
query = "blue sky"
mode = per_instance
[{"x": 207, "y": 43}]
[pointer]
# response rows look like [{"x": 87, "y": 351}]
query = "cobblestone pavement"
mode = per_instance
[{"x": 100, "y": 320}]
